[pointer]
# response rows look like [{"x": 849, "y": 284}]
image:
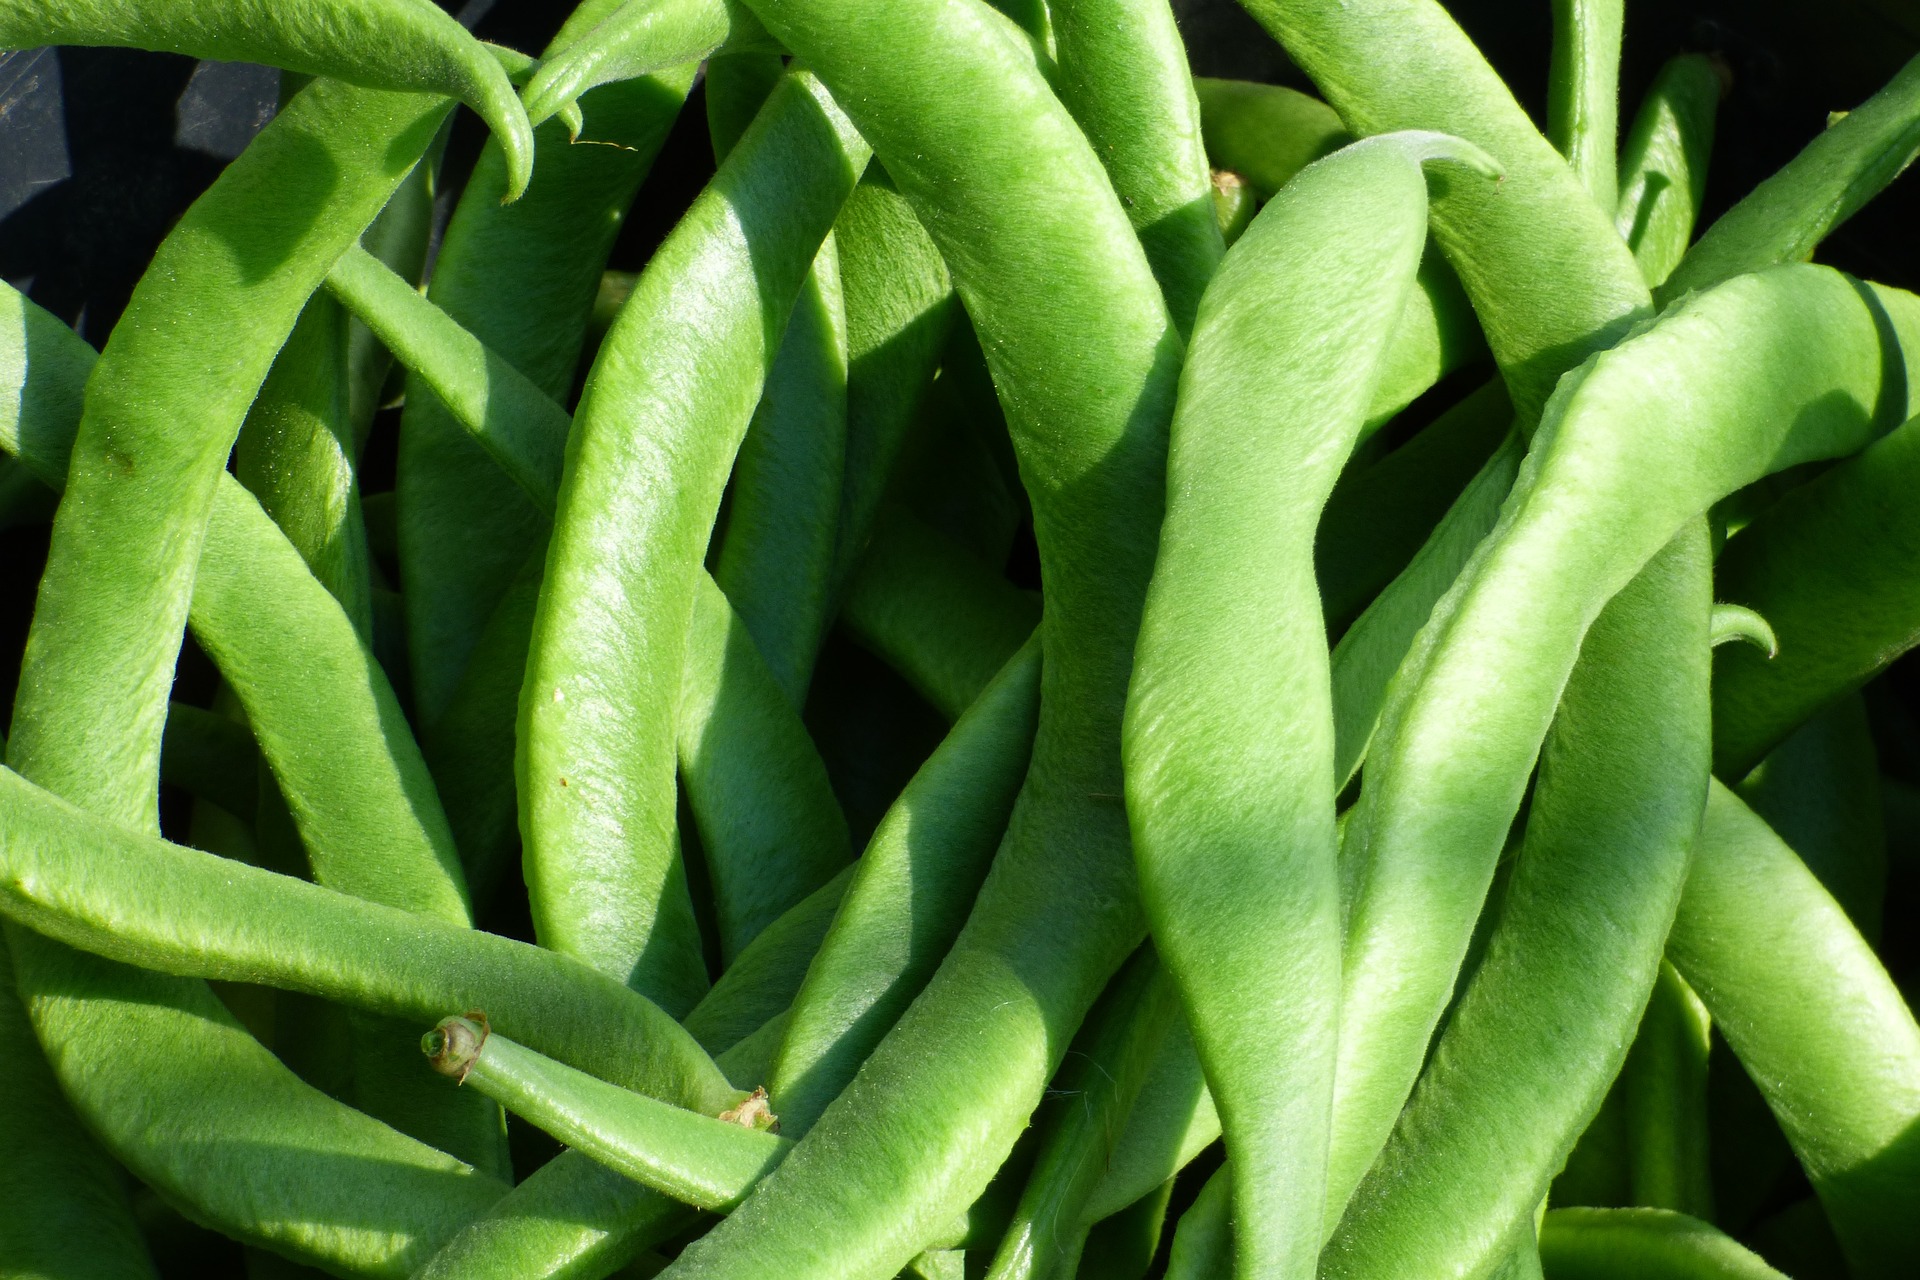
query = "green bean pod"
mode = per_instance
[
  {"x": 596, "y": 759},
  {"x": 1583, "y": 92},
  {"x": 1837, "y": 629},
  {"x": 1656, "y": 1244},
  {"x": 1663, "y": 1090},
  {"x": 934, "y": 612},
  {"x": 180, "y": 911},
  {"x": 639, "y": 38},
  {"x": 1266, "y": 133},
  {"x": 1203, "y": 1242},
  {"x": 1121, "y": 69},
  {"x": 1663, "y": 164},
  {"x": 698, "y": 1160},
  {"x": 1599, "y": 872},
  {"x": 1786, "y": 217},
  {"x": 762, "y": 981},
  {"x": 1227, "y": 742},
  {"x": 405, "y": 45},
  {"x": 1172, "y": 1121},
  {"x": 1790, "y": 364},
  {"x": 1816, "y": 1022},
  {"x": 521, "y": 278},
  {"x": 1113, "y": 1055},
  {"x": 910, "y": 894}
]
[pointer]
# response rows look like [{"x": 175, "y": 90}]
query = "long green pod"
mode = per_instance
[
  {"x": 604, "y": 672},
  {"x": 1121, "y": 69},
  {"x": 1611, "y": 826},
  {"x": 406, "y": 45},
  {"x": 772, "y": 830},
  {"x": 1172, "y": 1121},
  {"x": 1816, "y": 1022},
  {"x": 1228, "y": 743},
  {"x": 935, "y": 612},
  {"x": 1405, "y": 64},
  {"x": 1663, "y": 1095},
  {"x": 699, "y": 1160},
  {"x": 1663, "y": 164},
  {"x": 1785, "y": 218},
  {"x": 910, "y": 894},
  {"x": 522, "y": 278},
  {"x": 762, "y": 981},
  {"x": 1652, "y": 1244},
  {"x": 776, "y": 556},
  {"x": 1203, "y": 1242},
  {"x": 1583, "y": 92},
  {"x": 636, "y": 39},
  {"x": 181, "y": 911},
  {"x": 63, "y": 1203},
  {"x": 1009, "y": 190},
  {"x": 1830, "y": 567},
  {"x": 1787, "y": 365},
  {"x": 1113, "y": 1055}
]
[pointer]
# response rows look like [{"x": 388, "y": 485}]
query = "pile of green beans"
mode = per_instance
[{"x": 1093, "y": 674}]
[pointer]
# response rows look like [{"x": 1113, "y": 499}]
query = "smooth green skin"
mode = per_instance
[
  {"x": 1737, "y": 622},
  {"x": 911, "y": 893},
  {"x": 669, "y": 398},
  {"x": 1203, "y": 1242},
  {"x": 770, "y": 824},
  {"x": 1820, "y": 792},
  {"x": 1268, "y": 133},
  {"x": 737, "y": 85},
  {"x": 935, "y": 612},
  {"x": 1541, "y": 1030},
  {"x": 63, "y": 1202},
  {"x": 177, "y": 910},
  {"x": 1583, "y": 92},
  {"x": 1654, "y": 1244},
  {"x": 1228, "y": 739},
  {"x": 1234, "y": 204},
  {"x": 402, "y": 45},
  {"x": 211, "y": 758},
  {"x": 518, "y": 424},
  {"x": 521, "y": 277},
  {"x": 398, "y": 237},
  {"x": 696, "y": 1159},
  {"x": 296, "y": 453},
  {"x": 1172, "y": 1121},
  {"x": 637, "y": 39},
  {"x": 1121, "y": 69},
  {"x": 1784, "y": 366},
  {"x": 1113, "y": 1055},
  {"x": 900, "y": 308},
  {"x": 1404, "y": 64},
  {"x": 762, "y": 981},
  {"x": 1377, "y": 519},
  {"x": 776, "y": 556},
  {"x": 1009, "y": 190},
  {"x": 1663, "y": 1089},
  {"x": 1785, "y": 218},
  {"x": 1663, "y": 164},
  {"x": 772, "y": 829},
  {"x": 1830, "y": 566},
  {"x": 1817, "y": 1024}
]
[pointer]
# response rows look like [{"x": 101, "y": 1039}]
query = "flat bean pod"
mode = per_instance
[
  {"x": 1663, "y": 164},
  {"x": 604, "y": 672},
  {"x": 1583, "y": 92},
  {"x": 1172, "y": 1121},
  {"x": 402, "y": 45},
  {"x": 1597, "y": 1244},
  {"x": 1235, "y": 842},
  {"x": 1203, "y": 1243},
  {"x": 636, "y": 39},
  {"x": 1815, "y": 1021}
]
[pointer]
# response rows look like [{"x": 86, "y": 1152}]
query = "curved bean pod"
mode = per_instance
[
  {"x": 180, "y": 911},
  {"x": 1786, "y": 217},
  {"x": 636, "y": 39},
  {"x": 1815, "y": 1021},
  {"x": 1830, "y": 567},
  {"x": 1203, "y": 1242},
  {"x": 1663, "y": 1095},
  {"x": 1599, "y": 1244},
  {"x": 1121, "y": 69},
  {"x": 1599, "y": 872},
  {"x": 696, "y": 1159},
  {"x": 1663, "y": 164},
  {"x": 1172, "y": 1121},
  {"x": 1266, "y": 133},
  {"x": 910, "y": 894},
  {"x": 762, "y": 981},
  {"x": 604, "y": 672},
  {"x": 1583, "y": 92},
  {"x": 402, "y": 45},
  {"x": 1453, "y": 755},
  {"x": 1227, "y": 743}
]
